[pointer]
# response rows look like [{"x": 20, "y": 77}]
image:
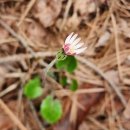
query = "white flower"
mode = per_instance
[{"x": 72, "y": 45}]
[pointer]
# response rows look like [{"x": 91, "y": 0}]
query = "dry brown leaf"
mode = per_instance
[
  {"x": 127, "y": 111},
  {"x": 36, "y": 32},
  {"x": 113, "y": 76},
  {"x": 73, "y": 22},
  {"x": 3, "y": 33},
  {"x": 124, "y": 27},
  {"x": 103, "y": 39},
  {"x": 47, "y": 11},
  {"x": 126, "y": 124},
  {"x": 85, "y": 6},
  {"x": 84, "y": 126},
  {"x": 5, "y": 122}
]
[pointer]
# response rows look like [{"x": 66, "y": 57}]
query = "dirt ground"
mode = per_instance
[{"x": 31, "y": 33}]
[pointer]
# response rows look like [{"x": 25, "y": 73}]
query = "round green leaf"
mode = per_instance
[
  {"x": 70, "y": 64},
  {"x": 51, "y": 110},
  {"x": 32, "y": 88}
]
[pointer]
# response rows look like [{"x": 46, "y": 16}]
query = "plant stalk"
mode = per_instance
[{"x": 49, "y": 66}]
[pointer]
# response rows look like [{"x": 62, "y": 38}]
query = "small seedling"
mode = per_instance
[{"x": 51, "y": 110}]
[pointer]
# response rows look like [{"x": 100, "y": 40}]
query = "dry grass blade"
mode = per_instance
[
  {"x": 117, "y": 46},
  {"x": 9, "y": 89},
  {"x": 35, "y": 116},
  {"x": 66, "y": 14},
  {"x": 90, "y": 90},
  {"x": 74, "y": 109}
]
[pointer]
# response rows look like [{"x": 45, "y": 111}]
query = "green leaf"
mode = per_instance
[
  {"x": 61, "y": 64},
  {"x": 74, "y": 85},
  {"x": 70, "y": 64},
  {"x": 32, "y": 89},
  {"x": 51, "y": 110},
  {"x": 63, "y": 80}
]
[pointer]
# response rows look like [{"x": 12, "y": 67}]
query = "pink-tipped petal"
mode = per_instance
[
  {"x": 68, "y": 38},
  {"x": 78, "y": 51},
  {"x": 66, "y": 47}
]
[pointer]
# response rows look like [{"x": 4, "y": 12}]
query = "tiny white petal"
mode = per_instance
[
  {"x": 78, "y": 51},
  {"x": 73, "y": 38},
  {"x": 76, "y": 42},
  {"x": 68, "y": 38},
  {"x": 78, "y": 45}
]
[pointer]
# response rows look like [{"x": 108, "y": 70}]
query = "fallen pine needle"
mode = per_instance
[
  {"x": 90, "y": 90},
  {"x": 117, "y": 46}
]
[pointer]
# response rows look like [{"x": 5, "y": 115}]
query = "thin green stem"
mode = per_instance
[{"x": 49, "y": 66}]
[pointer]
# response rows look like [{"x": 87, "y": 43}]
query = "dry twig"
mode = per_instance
[
  {"x": 35, "y": 116},
  {"x": 11, "y": 115},
  {"x": 15, "y": 58}
]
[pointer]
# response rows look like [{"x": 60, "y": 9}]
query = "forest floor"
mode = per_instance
[{"x": 31, "y": 33}]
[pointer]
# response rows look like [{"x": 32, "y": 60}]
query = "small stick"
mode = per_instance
[
  {"x": 11, "y": 115},
  {"x": 69, "y": 3},
  {"x": 49, "y": 66},
  {"x": 29, "y": 6},
  {"x": 8, "y": 89},
  {"x": 97, "y": 123},
  {"x": 3, "y": 41},
  {"x": 35, "y": 116},
  {"x": 113, "y": 86},
  {"x": 19, "y": 57}
]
